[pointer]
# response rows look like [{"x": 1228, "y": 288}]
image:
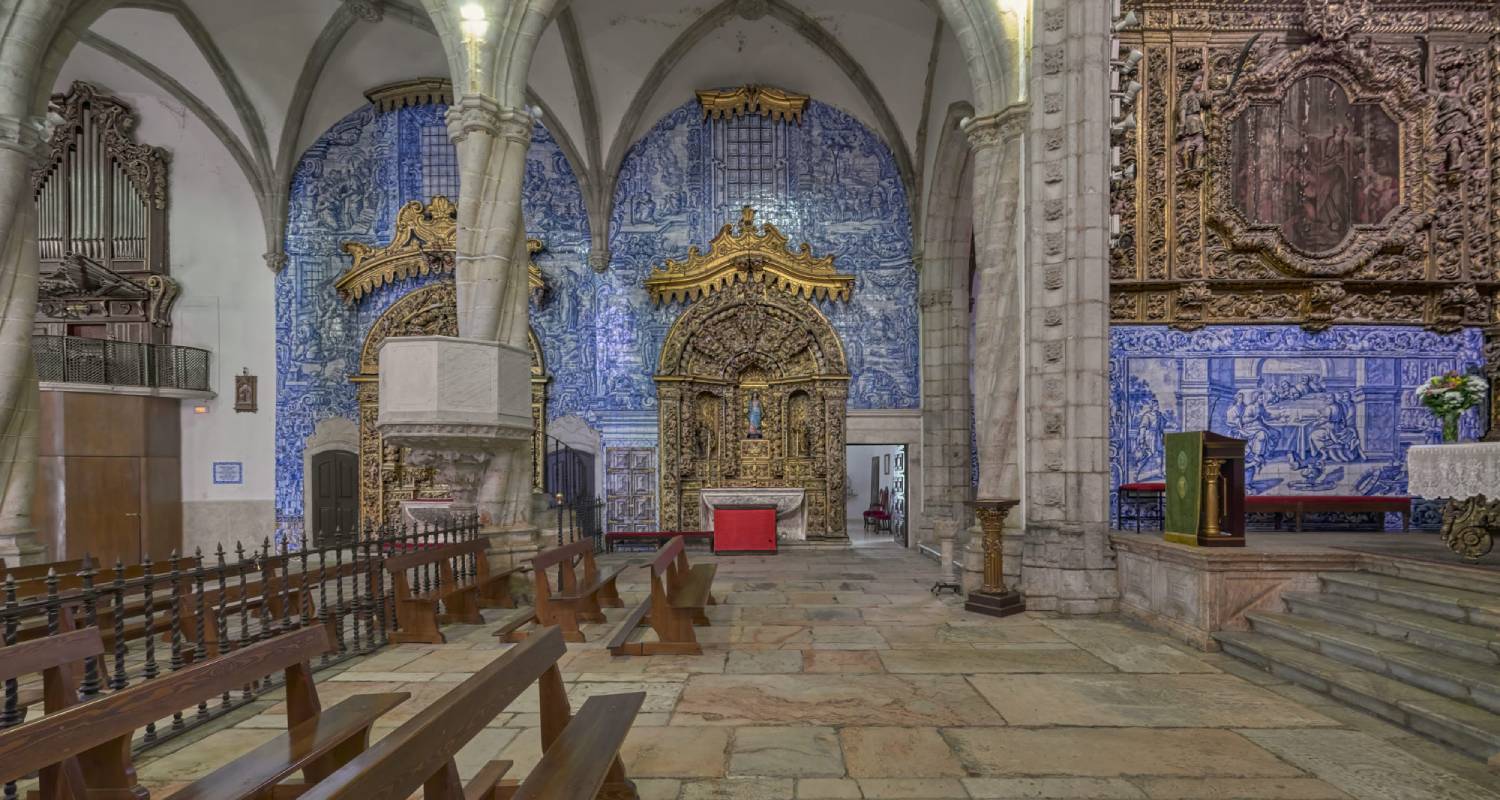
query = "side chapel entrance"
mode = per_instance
[{"x": 752, "y": 383}]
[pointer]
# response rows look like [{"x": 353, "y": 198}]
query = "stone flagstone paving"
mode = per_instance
[{"x": 836, "y": 674}]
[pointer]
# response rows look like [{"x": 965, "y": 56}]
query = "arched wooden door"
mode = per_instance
[{"x": 335, "y": 493}]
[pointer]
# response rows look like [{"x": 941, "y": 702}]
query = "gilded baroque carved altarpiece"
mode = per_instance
[
  {"x": 752, "y": 384},
  {"x": 423, "y": 244},
  {"x": 1312, "y": 162}
]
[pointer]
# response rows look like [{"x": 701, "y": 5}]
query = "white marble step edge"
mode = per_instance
[
  {"x": 1480, "y": 645},
  {"x": 1470, "y": 729},
  {"x": 1457, "y": 576},
  {"x": 1449, "y": 602}
]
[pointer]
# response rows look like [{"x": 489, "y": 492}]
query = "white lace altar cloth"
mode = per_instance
[
  {"x": 1454, "y": 470},
  {"x": 791, "y": 511}
]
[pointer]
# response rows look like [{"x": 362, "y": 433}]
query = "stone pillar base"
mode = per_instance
[
  {"x": 973, "y": 572},
  {"x": 1069, "y": 569},
  {"x": 20, "y": 548}
]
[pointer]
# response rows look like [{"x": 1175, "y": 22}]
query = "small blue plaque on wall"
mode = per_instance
[{"x": 229, "y": 472}]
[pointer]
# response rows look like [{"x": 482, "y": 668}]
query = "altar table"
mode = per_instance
[
  {"x": 790, "y": 505},
  {"x": 1468, "y": 476}
]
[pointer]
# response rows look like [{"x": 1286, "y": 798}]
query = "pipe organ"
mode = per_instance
[{"x": 101, "y": 202}]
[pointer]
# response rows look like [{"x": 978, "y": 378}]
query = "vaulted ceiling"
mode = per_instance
[{"x": 268, "y": 77}]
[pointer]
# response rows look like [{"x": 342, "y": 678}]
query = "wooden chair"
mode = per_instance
[
  {"x": 580, "y": 754},
  {"x": 417, "y": 616},
  {"x": 574, "y": 600},
  {"x": 679, "y": 592},
  {"x": 878, "y": 515},
  {"x": 94, "y": 736}
]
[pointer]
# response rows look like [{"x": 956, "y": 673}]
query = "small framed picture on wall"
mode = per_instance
[{"x": 886, "y": 464}]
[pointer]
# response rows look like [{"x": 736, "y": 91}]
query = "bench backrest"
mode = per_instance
[
  {"x": 557, "y": 555},
  {"x": 29, "y": 571},
  {"x": 425, "y": 745},
  {"x": 115, "y": 717},
  {"x": 667, "y": 554}
]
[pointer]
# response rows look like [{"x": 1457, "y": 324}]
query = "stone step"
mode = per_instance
[
  {"x": 1457, "y": 576},
  {"x": 1480, "y": 645},
  {"x": 1451, "y": 603},
  {"x": 1473, "y": 730},
  {"x": 1456, "y": 678}
]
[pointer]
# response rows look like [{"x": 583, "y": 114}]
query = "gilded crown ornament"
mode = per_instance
[
  {"x": 749, "y": 253},
  {"x": 779, "y": 105}
]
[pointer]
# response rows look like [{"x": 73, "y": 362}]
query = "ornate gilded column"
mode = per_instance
[
  {"x": 22, "y": 141},
  {"x": 993, "y": 597},
  {"x": 1492, "y": 375}
]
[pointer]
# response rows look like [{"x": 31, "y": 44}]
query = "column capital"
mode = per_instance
[
  {"x": 482, "y": 114},
  {"x": 27, "y": 135},
  {"x": 275, "y": 260},
  {"x": 1001, "y": 127},
  {"x": 599, "y": 260}
]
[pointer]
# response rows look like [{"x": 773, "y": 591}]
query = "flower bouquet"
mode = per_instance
[{"x": 1449, "y": 395}]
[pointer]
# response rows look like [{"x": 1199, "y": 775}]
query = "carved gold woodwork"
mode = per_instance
[
  {"x": 423, "y": 242},
  {"x": 1189, "y": 256},
  {"x": 747, "y": 341},
  {"x": 779, "y": 105},
  {"x": 415, "y": 92},
  {"x": 748, "y": 253}
]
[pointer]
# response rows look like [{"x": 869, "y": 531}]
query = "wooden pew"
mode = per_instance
[
  {"x": 574, "y": 600},
  {"x": 57, "y": 659},
  {"x": 494, "y": 586},
  {"x": 679, "y": 592},
  {"x": 29, "y": 571},
  {"x": 417, "y": 617},
  {"x": 580, "y": 754},
  {"x": 97, "y": 733}
]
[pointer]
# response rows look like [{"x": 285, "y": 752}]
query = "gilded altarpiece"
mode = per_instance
[
  {"x": 423, "y": 244},
  {"x": 1311, "y": 162},
  {"x": 752, "y": 383}
]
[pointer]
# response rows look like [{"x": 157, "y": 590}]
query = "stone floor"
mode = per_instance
[{"x": 836, "y": 674}]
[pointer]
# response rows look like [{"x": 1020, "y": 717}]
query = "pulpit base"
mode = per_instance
[{"x": 995, "y": 604}]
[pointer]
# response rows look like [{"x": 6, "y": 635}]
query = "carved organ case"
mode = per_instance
[
  {"x": 752, "y": 383},
  {"x": 101, "y": 207},
  {"x": 1313, "y": 162}
]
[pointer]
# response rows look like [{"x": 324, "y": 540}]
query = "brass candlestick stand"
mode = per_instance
[{"x": 993, "y": 598}]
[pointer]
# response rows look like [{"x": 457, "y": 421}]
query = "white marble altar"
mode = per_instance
[{"x": 791, "y": 510}]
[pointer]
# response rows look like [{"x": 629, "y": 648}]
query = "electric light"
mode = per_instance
[
  {"x": 200, "y": 409},
  {"x": 1017, "y": 7},
  {"x": 474, "y": 24}
]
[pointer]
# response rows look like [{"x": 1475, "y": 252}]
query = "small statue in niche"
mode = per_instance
[
  {"x": 702, "y": 443},
  {"x": 807, "y": 442},
  {"x": 1191, "y": 143},
  {"x": 755, "y": 417},
  {"x": 1454, "y": 121}
]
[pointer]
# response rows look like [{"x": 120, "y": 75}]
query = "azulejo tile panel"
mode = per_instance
[
  {"x": 1322, "y": 413},
  {"x": 829, "y": 181}
]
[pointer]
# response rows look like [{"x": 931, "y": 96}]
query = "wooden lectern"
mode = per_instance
[{"x": 1205, "y": 489}]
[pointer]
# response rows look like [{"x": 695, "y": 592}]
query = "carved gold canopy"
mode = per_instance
[
  {"x": 780, "y": 106},
  {"x": 750, "y": 253},
  {"x": 424, "y": 242}
]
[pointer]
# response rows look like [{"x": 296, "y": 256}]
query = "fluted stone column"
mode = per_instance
[
  {"x": 22, "y": 139},
  {"x": 998, "y": 323}
]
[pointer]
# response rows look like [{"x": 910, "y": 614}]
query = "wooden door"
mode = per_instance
[
  {"x": 335, "y": 493},
  {"x": 630, "y": 488}
]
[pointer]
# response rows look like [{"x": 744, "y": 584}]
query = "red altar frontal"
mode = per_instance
[{"x": 745, "y": 529}]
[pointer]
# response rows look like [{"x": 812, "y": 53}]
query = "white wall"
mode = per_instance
[{"x": 226, "y": 306}]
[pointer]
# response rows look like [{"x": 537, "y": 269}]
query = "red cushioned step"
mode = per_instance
[{"x": 1144, "y": 487}]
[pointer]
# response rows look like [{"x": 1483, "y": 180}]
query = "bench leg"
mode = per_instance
[
  {"x": 340, "y": 755},
  {"x": 609, "y": 596},
  {"x": 460, "y": 607},
  {"x": 1405, "y": 521},
  {"x": 563, "y": 617},
  {"x": 417, "y": 623}
]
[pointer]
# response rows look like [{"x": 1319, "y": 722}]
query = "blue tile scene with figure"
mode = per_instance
[
  {"x": 1321, "y": 413},
  {"x": 828, "y": 180}
]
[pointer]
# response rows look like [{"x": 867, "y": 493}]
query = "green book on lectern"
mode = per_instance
[{"x": 1184, "y": 456}]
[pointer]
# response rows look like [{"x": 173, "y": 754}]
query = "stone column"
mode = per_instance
[
  {"x": 21, "y": 140},
  {"x": 945, "y": 398},
  {"x": 999, "y": 326},
  {"x": 1068, "y": 564}
]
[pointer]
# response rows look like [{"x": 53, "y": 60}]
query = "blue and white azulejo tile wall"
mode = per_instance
[
  {"x": 1322, "y": 413},
  {"x": 829, "y": 181}
]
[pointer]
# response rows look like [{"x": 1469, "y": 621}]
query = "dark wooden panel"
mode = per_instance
[
  {"x": 103, "y": 509},
  {"x": 163, "y": 420},
  {"x": 161, "y": 506},
  {"x": 103, "y": 424}
]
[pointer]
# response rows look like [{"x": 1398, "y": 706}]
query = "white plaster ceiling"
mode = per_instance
[{"x": 267, "y": 43}]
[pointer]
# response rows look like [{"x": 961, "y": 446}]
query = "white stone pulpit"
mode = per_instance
[{"x": 791, "y": 508}]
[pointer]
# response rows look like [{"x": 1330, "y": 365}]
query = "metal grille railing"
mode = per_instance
[{"x": 75, "y": 359}]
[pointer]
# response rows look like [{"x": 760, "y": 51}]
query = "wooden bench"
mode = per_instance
[
  {"x": 417, "y": 616},
  {"x": 679, "y": 593},
  {"x": 575, "y": 599},
  {"x": 652, "y": 539},
  {"x": 83, "y": 751},
  {"x": 1299, "y": 504},
  {"x": 29, "y": 571},
  {"x": 580, "y": 754}
]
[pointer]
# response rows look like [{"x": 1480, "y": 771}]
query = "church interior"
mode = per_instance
[{"x": 750, "y": 399}]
